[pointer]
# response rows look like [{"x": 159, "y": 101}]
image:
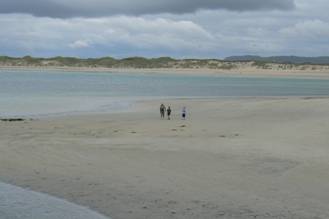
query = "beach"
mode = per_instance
[
  {"x": 261, "y": 157},
  {"x": 245, "y": 70}
]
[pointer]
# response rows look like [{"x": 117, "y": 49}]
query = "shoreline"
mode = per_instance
[
  {"x": 229, "y": 159},
  {"x": 247, "y": 72},
  {"x": 32, "y": 205},
  {"x": 135, "y": 106}
]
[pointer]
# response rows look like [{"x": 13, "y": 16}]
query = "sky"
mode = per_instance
[{"x": 154, "y": 28}]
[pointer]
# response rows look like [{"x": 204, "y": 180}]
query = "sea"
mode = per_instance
[{"x": 34, "y": 93}]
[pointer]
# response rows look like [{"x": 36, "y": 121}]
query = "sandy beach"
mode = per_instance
[
  {"x": 239, "y": 158},
  {"x": 245, "y": 71}
]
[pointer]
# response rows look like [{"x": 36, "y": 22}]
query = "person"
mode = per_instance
[
  {"x": 162, "y": 110},
  {"x": 184, "y": 113},
  {"x": 168, "y": 112}
]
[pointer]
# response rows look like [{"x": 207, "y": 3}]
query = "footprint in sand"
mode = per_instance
[{"x": 230, "y": 136}]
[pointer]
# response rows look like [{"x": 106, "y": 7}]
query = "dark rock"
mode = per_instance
[{"x": 12, "y": 120}]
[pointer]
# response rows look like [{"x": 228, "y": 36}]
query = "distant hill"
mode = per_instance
[{"x": 322, "y": 60}]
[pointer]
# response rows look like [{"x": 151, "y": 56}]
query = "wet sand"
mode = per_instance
[{"x": 243, "y": 158}]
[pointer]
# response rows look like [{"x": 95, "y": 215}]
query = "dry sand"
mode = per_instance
[
  {"x": 242, "y": 70},
  {"x": 246, "y": 158}
]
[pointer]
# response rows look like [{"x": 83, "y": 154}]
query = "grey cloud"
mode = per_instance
[
  {"x": 204, "y": 34},
  {"x": 95, "y": 8},
  {"x": 35, "y": 7}
]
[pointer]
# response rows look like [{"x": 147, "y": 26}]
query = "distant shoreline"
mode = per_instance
[{"x": 241, "y": 71}]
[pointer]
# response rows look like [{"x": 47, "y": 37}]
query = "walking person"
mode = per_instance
[
  {"x": 168, "y": 112},
  {"x": 162, "y": 110},
  {"x": 184, "y": 113}
]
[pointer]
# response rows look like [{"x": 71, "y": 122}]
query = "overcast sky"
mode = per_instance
[{"x": 152, "y": 28}]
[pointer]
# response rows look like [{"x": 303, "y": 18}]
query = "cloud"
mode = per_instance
[
  {"x": 79, "y": 44},
  {"x": 97, "y": 8},
  {"x": 310, "y": 29},
  {"x": 118, "y": 36},
  {"x": 203, "y": 34}
]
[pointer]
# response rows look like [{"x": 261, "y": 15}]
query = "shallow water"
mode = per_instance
[
  {"x": 17, "y": 203},
  {"x": 35, "y": 93}
]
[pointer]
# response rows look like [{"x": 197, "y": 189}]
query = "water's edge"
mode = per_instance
[{"x": 19, "y": 203}]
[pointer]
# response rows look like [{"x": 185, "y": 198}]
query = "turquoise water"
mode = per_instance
[{"x": 28, "y": 93}]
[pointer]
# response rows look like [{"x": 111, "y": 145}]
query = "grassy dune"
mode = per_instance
[{"x": 157, "y": 63}]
